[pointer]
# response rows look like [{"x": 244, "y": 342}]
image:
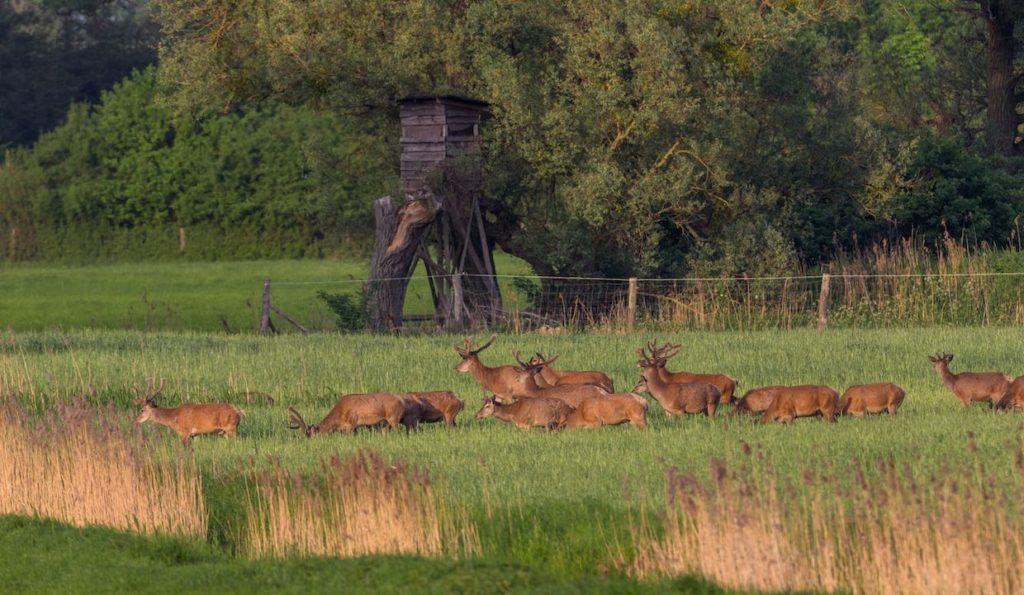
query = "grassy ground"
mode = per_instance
[
  {"x": 45, "y": 557},
  {"x": 559, "y": 504},
  {"x": 189, "y": 296}
]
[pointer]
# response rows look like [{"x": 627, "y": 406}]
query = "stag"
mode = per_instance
[
  {"x": 361, "y": 411},
  {"x": 610, "y": 410},
  {"x": 791, "y": 402},
  {"x": 725, "y": 385},
  {"x": 187, "y": 420},
  {"x": 572, "y": 394},
  {"x": 871, "y": 398},
  {"x": 971, "y": 386},
  {"x": 675, "y": 398},
  {"x": 526, "y": 413},
  {"x": 547, "y": 376},
  {"x": 502, "y": 381}
]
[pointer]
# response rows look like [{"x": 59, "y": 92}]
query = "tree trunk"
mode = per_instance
[
  {"x": 1002, "y": 115},
  {"x": 396, "y": 237}
]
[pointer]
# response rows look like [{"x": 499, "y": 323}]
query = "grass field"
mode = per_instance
[
  {"x": 559, "y": 504},
  {"x": 190, "y": 296}
]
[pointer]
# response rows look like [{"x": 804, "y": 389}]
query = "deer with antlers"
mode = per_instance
[
  {"x": 361, "y": 411},
  {"x": 187, "y": 420},
  {"x": 676, "y": 398},
  {"x": 547, "y": 376},
  {"x": 969, "y": 387},
  {"x": 528, "y": 388},
  {"x": 725, "y": 384},
  {"x": 500, "y": 380}
]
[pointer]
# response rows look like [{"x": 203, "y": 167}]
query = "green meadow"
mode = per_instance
[
  {"x": 560, "y": 504},
  {"x": 194, "y": 296}
]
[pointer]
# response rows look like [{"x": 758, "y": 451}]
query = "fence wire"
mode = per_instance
[{"x": 561, "y": 304}]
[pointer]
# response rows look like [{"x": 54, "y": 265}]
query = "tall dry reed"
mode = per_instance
[
  {"x": 356, "y": 506},
  {"x": 954, "y": 532},
  {"x": 74, "y": 464}
]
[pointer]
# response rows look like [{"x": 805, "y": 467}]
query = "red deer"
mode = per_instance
[
  {"x": 548, "y": 376},
  {"x": 360, "y": 411},
  {"x": 187, "y": 420},
  {"x": 725, "y": 385},
  {"x": 756, "y": 400},
  {"x": 500, "y": 380},
  {"x": 676, "y": 398},
  {"x": 1014, "y": 397},
  {"x": 436, "y": 406},
  {"x": 526, "y": 413},
  {"x": 610, "y": 410},
  {"x": 791, "y": 402},
  {"x": 572, "y": 394},
  {"x": 871, "y": 398},
  {"x": 971, "y": 386}
]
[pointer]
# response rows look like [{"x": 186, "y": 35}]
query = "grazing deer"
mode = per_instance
[
  {"x": 791, "y": 402},
  {"x": 436, "y": 406},
  {"x": 675, "y": 398},
  {"x": 187, "y": 420},
  {"x": 871, "y": 398},
  {"x": 971, "y": 386},
  {"x": 526, "y": 413},
  {"x": 610, "y": 410},
  {"x": 572, "y": 394},
  {"x": 501, "y": 380},
  {"x": 548, "y": 376},
  {"x": 725, "y": 384},
  {"x": 1014, "y": 397},
  {"x": 360, "y": 411},
  {"x": 756, "y": 400}
]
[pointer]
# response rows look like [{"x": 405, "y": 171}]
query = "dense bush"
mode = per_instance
[{"x": 118, "y": 180}]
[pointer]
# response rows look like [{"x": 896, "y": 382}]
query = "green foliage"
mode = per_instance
[
  {"x": 118, "y": 181},
  {"x": 967, "y": 196},
  {"x": 55, "y": 53},
  {"x": 350, "y": 310}
]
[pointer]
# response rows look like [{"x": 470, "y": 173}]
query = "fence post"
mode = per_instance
[
  {"x": 265, "y": 316},
  {"x": 458, "y": 300},
  {"x": 181, "y": 239},
  {"x": 631, "y": 306},
  {"x": 823, "y": 302}
]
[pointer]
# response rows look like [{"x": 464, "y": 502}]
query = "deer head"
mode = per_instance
[
  {"x": 469, "y": 354},
  {"x": 487, "y": 409},
  {"x": 535, "y": 365},
  {"x": 147, "y": 399},
  {"x": 296, "y": 422},
  {"x": 940, "y": 359}
]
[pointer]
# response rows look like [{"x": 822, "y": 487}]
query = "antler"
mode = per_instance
[
  {"x": 645, "y": 360},
  {"x": 468, "y": 351},
  {"x": 296, "y": 422}
]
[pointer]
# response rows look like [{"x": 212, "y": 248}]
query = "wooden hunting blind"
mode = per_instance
[
  {"x": 435, "y": 129},
  {"x": 440, "y": 221}
]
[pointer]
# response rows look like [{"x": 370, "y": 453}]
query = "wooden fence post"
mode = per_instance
[
  {"x": 182, "y": 241},
  {"x": 823, "y": 302},
  {"x": 631, "y": 306},
  {"x": 458, "y": 301},
  {"x": 265, "y": 316}
]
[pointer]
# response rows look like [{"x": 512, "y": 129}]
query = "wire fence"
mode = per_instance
[{"x": 842, "y": 299}]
